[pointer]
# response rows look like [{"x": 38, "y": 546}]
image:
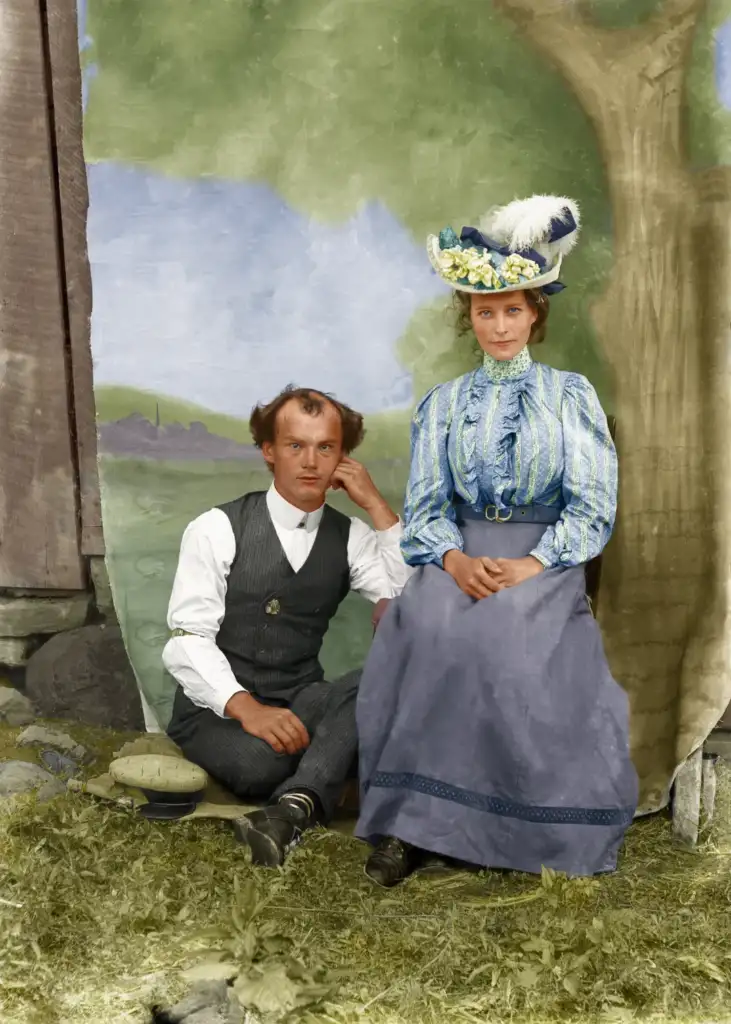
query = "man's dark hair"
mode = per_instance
[{"x": 264, "y": 417}]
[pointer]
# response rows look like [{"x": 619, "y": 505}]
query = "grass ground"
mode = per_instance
[
  {"x": 101, "y": 911},
  {"x": 147, "y": 505}
]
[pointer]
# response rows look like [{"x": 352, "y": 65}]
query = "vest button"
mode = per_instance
[{"x": 272, "y": 607}]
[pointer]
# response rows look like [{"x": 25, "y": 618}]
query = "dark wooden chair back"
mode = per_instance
[{"x": 594, "y": 567}]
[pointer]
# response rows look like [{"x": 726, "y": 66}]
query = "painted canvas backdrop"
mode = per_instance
[{"x": 262, "y": 177}]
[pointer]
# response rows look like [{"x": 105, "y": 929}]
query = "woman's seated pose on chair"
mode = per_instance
[{"x": 490, "y": 727}]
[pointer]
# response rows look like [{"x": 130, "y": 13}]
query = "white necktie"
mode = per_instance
[{"x": 299, "y": 546}]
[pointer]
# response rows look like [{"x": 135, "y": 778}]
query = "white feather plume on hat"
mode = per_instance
[{"x": 527, "y": 224}]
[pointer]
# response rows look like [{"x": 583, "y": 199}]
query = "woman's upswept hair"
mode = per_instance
[
  {"x": 263, "y": 420},
  {"x": 535, "y": 299}
]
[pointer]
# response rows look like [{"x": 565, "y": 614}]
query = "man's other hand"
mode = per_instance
[
  {"x": 279, "y": 727},
  {"x": 379, "y": 610}
]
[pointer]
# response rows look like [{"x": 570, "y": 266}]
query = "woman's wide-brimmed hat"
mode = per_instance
[{"x": 515, "y": 247}]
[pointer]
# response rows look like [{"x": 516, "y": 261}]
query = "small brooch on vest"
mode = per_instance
[{"x": 272, "y": 607}]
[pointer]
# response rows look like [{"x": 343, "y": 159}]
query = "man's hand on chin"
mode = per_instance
[{"x": 353, "y": 478}]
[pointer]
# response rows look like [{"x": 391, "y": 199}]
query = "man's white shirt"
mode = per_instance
[{"x": 198, "y": 600}]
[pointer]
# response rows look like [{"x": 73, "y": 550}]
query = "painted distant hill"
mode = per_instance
[
  {"x": 114, "y": 404},
  {"x": 136, "y": 437},
  {"x": 142, "y": 424}
]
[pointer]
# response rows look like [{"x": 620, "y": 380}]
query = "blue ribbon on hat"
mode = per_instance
[
  {"x": 472, "y": 236},
  {"x": 552, "y": 288},
  {"x": 559, "y": 228},
  {"x": 562, "y": 226}
]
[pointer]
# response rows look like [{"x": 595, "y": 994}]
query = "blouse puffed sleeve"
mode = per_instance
[
  {"x": 589, "y": 481},
  {"x": 430, "y": 530}
]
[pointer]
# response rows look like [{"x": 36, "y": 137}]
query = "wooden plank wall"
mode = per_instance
[{"x": 40, "y": 523}]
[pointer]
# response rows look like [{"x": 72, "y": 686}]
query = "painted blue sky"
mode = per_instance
[
  {"x": 219, "y": 293},
  {"x": 723, "y": 64}
]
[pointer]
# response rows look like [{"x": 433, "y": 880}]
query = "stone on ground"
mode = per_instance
[
  {"x": 206, "y": 1003},
  {"x": 28, "y": 616},
  {"x": 17, "y": 777},
  {"x": 85, "y": 675},
  {"x": 40, "y": 736},
  {"x": 15, "y": 650},
  {"x": 15, "y": 708}
]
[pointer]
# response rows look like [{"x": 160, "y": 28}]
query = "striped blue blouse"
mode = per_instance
[{"x": 512, "y": 433}]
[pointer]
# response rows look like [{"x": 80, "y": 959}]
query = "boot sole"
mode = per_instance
[{"x": 264, "y": 851}]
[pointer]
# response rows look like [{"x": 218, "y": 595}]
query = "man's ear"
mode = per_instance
[{"x": 267, "y": 450}]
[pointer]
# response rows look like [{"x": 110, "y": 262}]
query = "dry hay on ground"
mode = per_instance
[{"x": 102, "y": 911}]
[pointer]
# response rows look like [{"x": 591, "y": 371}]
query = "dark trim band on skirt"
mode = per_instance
[
  {"x": 503, "y": 808},
  {"x": 512, "y": 514}
]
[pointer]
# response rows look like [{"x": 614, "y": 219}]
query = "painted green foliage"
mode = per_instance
[{"x": 435, "y": 110}]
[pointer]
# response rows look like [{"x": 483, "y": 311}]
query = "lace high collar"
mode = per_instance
[{"x": 507, "y": 369}]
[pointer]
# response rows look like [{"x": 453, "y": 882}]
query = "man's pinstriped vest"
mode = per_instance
[{"x": 276, "y": 618}]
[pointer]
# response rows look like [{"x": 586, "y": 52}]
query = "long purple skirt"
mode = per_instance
[{"x": 492, "y": 731}]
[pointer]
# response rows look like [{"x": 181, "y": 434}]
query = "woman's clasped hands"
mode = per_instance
[{"x": 481, "y": 577}]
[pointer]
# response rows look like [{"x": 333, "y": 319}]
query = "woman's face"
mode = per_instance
[{"x": 502, "y": 323}]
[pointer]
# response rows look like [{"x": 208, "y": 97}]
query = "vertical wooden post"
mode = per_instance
[
  {"x": 39, "y": 513},
  {"x": 63, "y": 84}
]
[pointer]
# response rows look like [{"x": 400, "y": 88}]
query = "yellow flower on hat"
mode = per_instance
[
  {"x": 450, "y": 261},
  {"x": 476, "y": 265},
  {"x": 516, "y": 266},
  {"x": 457, "y": 264}
]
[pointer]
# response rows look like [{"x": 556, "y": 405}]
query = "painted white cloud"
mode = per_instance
[{"x": 219, "y": 293}]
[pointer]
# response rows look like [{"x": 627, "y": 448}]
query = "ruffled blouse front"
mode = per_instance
[{"x": 512, "y": 433}]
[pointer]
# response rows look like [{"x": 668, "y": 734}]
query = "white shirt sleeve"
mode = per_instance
[
  {"x": 377, "y": 568},
  {"x": 197, "y": 605}
]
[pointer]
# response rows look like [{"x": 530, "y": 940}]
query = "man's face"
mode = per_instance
[{"x": 305, "y": 453}]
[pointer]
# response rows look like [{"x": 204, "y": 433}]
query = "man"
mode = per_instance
[{"x": 258, "y": 581}]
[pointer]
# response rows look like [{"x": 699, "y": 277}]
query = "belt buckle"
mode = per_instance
[{"x": 497, "y": 518}]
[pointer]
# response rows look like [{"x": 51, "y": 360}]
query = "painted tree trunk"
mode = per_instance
[{"x": 664, "y": 603}]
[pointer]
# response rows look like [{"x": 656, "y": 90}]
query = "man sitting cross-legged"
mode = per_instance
[{"x": 258, "y": 581}]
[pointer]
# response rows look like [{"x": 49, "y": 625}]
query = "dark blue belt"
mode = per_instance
[{"x": 512, "y": 514}]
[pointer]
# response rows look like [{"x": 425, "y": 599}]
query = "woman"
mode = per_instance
[{"x": 491, "y": 730}]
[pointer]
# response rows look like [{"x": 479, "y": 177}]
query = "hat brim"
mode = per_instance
[
  {"x": 549, "y": 277},
  {"x": 164, "y": 806},
  {"x": 166, "y": 812},
  {"x": 163, "y": 796}
]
